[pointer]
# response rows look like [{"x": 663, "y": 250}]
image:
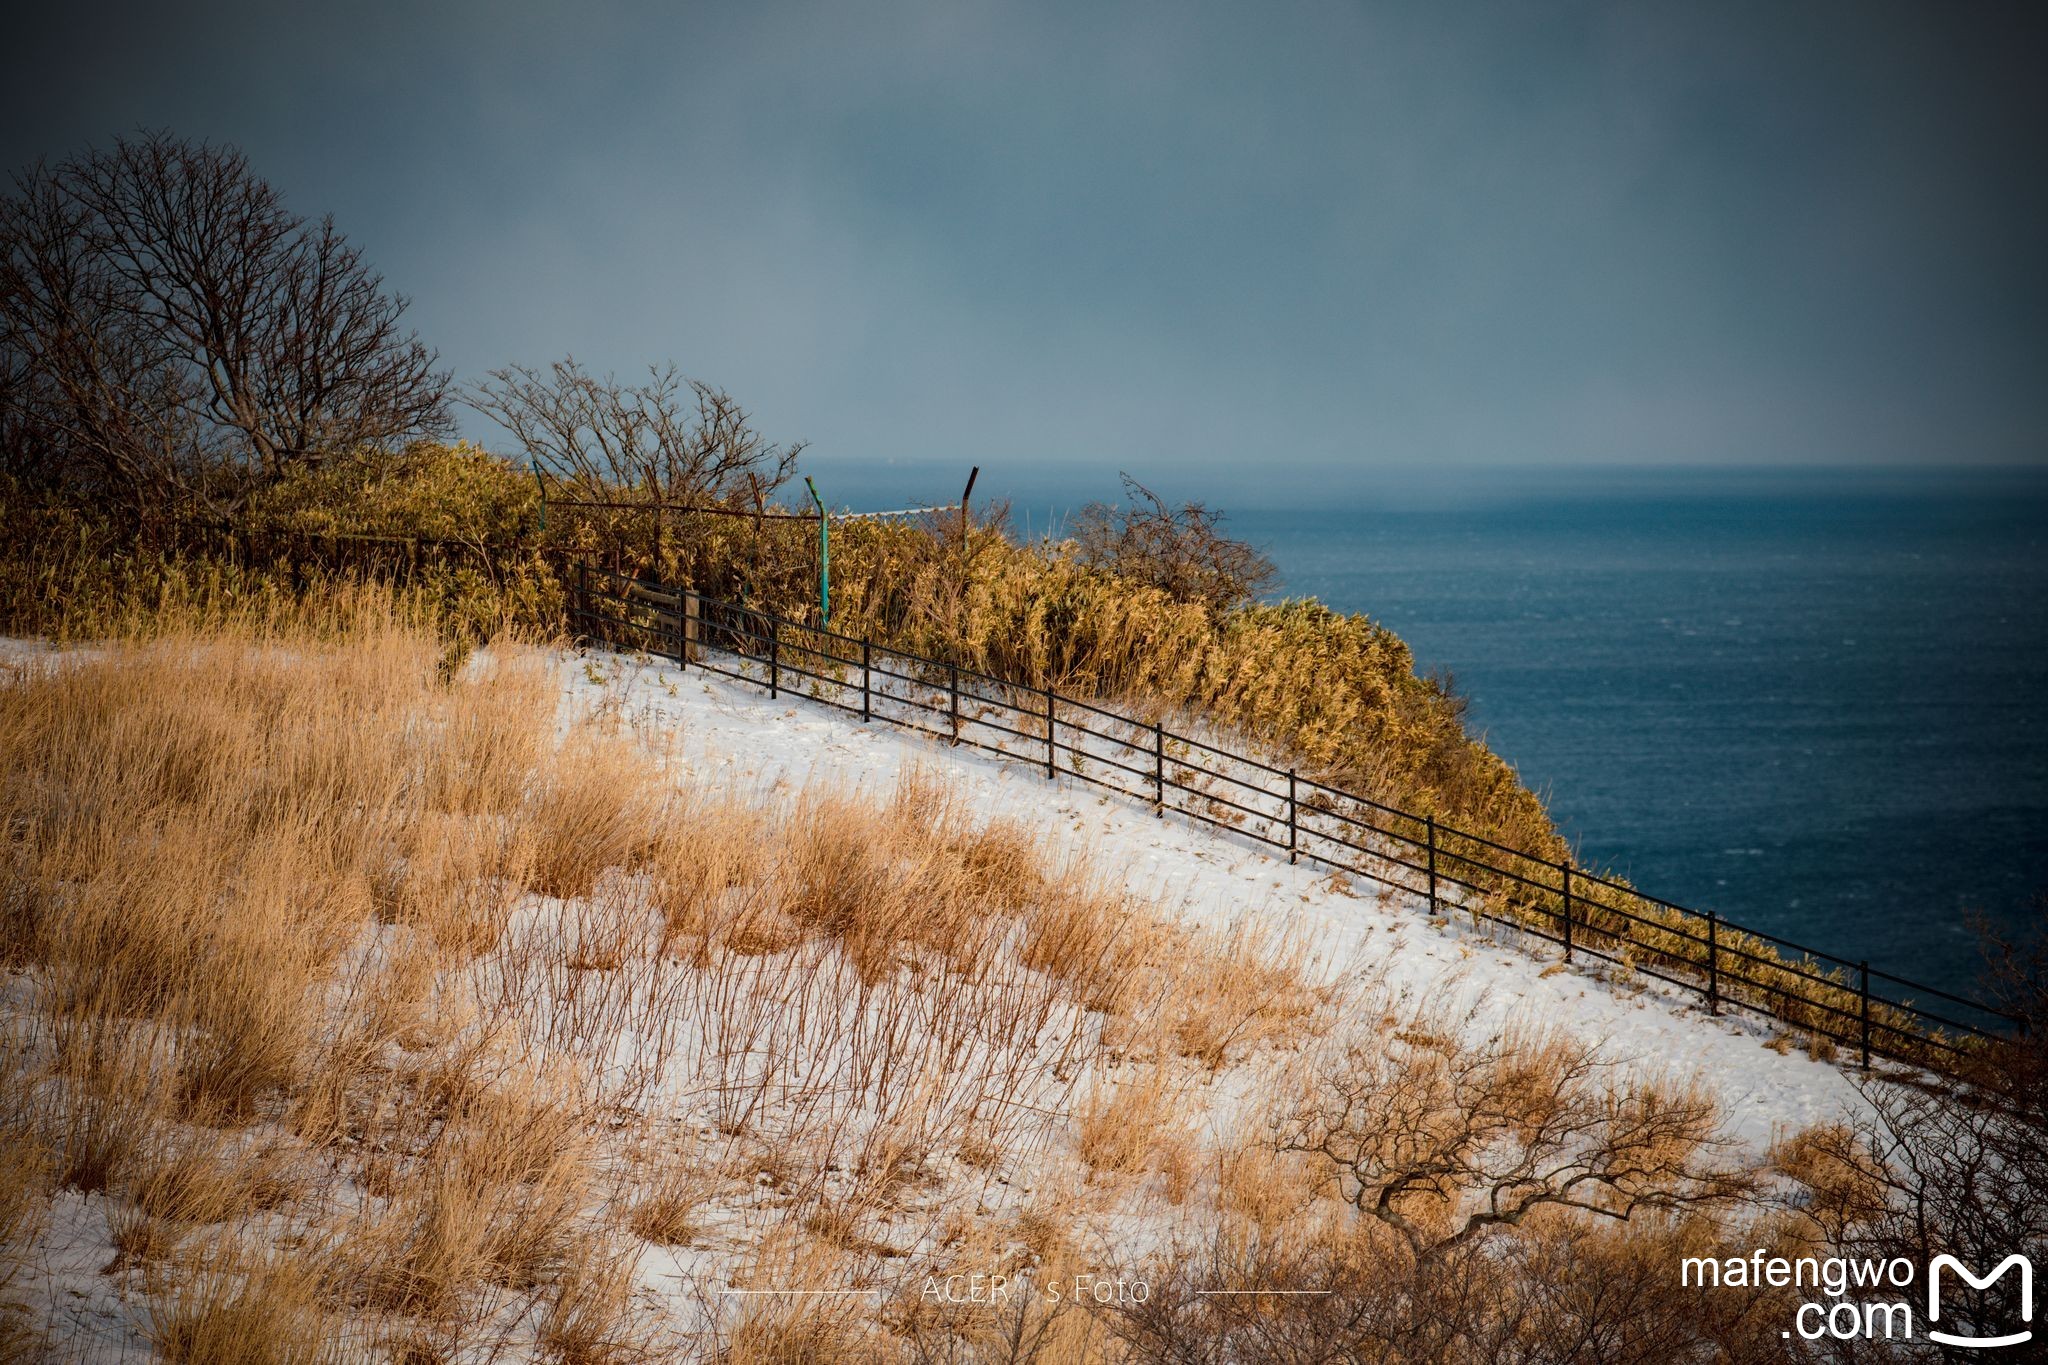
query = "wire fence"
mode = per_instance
[{"x": 1453, "y": 871}]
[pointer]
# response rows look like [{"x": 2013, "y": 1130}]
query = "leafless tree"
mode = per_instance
[
  {"x": 170, "y": 332},
  {"x": 1181, "y": 550},
  {"x": 1958, "y": 1167},
  {"x": 672, "y": 438},
  {"x": 1447, "y": 1142}
]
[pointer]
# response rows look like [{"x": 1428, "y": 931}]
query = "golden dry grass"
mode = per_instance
[
  {"x": 244, "y": 1306},
  {"x": 1336, "y": 694},
  {"x": 282, "y": 878},
  {"x": 393, "y": 1023}
]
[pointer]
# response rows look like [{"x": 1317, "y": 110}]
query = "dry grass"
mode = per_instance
[
  {"x": 590, "y": 1318},
  {"x": 393, "y": 1024},
  {"x": 183, "y": 1180},
  {"x": 1337, "y": 695},
  {"x": 244, "y": 1307},
  {"x": 269, "y": 882},
  {"x": 1129, "y": 1124},
  {"x": 25, "y": 1188},
  {"x": 591, "y": 811}
]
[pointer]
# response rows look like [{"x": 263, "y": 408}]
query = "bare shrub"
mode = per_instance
[
  {"x": 1181, "y": 550},
  {"x": 1346, "y": 1305},
  {"x": 671, "y": 438},
  {"x": 1925, "y": 1169},
  {"x": 1448, "y": 1142},
  {"x": 1592, "y": 1289}
]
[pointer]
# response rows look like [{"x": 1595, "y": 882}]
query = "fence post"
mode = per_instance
[
  {"x": 1713, "y": 963},
  {"x": 1863, "y": 972},
  {"x": 1293, "y": 822},
  {"x": 953, "y": 695},
  {"x": 1051, "y": 754},
  {"x": 866, "y": 687},
  {"x": 1159, "y": 769},
  {"x": 1567, "y": 870},
  {"x": 1432, "y": 865},
  {"x": 582, "y": 598},
  {"x": 774, "y": 657}
]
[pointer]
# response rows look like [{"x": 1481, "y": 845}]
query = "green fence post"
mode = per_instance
[{"x": 824, "y": 555}]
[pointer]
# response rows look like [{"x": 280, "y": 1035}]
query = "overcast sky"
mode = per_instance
[{"x": 1230, "y": 237}]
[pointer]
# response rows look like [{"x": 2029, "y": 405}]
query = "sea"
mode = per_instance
[{"x": 1815, "y": 701}]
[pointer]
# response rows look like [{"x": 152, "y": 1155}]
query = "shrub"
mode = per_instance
[{"x": 1180, "y": 550}]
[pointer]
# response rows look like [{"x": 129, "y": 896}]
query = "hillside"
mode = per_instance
[{"x": 582, "y": 1009}]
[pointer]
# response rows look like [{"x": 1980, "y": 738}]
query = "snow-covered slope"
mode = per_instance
[
  {"x": 731, "y": 734},
  {"x": 734, "y": 733}
]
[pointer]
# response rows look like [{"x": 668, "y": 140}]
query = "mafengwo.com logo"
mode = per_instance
[
  {"x": 2012, "y": 1262},
  {"x": 1868, "y": 1300}
]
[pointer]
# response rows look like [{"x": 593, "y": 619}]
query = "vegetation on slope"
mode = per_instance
[
  {"x": 465, "y": 528},
  {"x": 380, "y": 1022}
]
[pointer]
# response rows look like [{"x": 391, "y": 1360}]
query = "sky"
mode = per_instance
[{"x": 1235, "y": 241}]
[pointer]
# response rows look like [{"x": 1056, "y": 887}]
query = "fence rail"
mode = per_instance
[{"x": 1728, "y": 966}]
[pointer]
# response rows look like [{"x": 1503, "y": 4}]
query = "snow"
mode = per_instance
[{"x": 730, "y": 732}]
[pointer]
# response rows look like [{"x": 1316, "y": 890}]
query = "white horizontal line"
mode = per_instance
[{"x": 800, "y": 1291}]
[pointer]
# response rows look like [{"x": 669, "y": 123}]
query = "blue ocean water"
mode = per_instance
[
  {"x": 1819, "y": 714},
  {"x": 1812, "y": 704}
]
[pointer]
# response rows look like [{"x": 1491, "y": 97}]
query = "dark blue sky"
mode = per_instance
[{"x": 1226, "y": 238}]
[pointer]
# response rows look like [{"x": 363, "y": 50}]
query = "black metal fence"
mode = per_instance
[{"x": 1453, "y": 871}]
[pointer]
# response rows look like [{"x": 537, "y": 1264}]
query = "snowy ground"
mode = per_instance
[
  {"x": 728, "y": 731},
  {"x": 733, "y": 734}
]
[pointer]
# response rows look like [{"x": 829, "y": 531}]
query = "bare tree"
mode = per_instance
[
  {"x": 673, "y": 438},
  {"x": 1447, "y": 1142},
  {"x": 1181, "y": 550},
  {"x": 1958, "y": 1167},
  {"x": 169, "y": 331}
]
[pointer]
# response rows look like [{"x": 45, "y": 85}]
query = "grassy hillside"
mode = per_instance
[
  {"x": 359, "y": 1014},
  {"x": 466, "y": 531},
  {"x": 466, "y": 542}
]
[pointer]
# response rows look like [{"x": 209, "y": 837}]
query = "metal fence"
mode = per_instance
[{"x": 1453, "y": 871}]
